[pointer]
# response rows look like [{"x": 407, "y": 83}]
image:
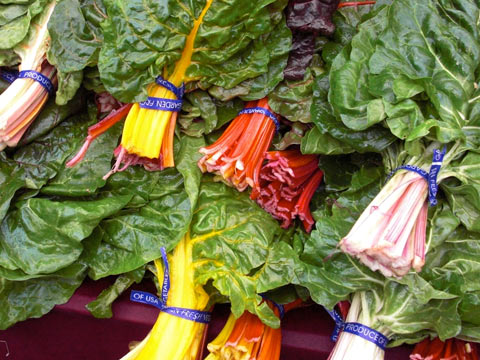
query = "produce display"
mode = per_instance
[{"x": 268, "y": 154}]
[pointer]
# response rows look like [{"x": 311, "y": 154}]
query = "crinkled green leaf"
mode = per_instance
[
  {"x": 45, "y": 156},
  {"x": 101, "y": 307},
  {"x": 68, "y": 85},
  {"x": 140, "y": 39},
  {"x": 293, "y": 99},
  {"x": 410, "y": 48},
  {"x": 43, "y": 236},
  {"x": 335, "y": 134},
  {"x": 202, "y": 114},
  {"x": 187, "y": 159},
  {"x": 134, "y": 237},
  {"x": 75, "y": 32},
  {"x": 20, "y": 300},
  {"x": 278, "y": 47},
  {"x": 15, "y": 30},
  {"x": 232, "y": 238},
  {"x": 11, "y": 180},
  {"x": 86, "y": 177},
  {"x": 52, "y": 115}
]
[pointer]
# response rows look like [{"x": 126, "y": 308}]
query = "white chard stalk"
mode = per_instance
[
  {"x": 22, "y": 101},
  {"x": 389, "y": 236},
  {"x": 353, "y": 347}
]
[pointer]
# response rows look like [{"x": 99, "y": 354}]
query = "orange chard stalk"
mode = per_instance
[
  {"x": 248, "y": 338},
  {"x": 238, "y": 154}
]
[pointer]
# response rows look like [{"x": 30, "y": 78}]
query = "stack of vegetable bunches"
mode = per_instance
[{"x": 322, "y": 150}]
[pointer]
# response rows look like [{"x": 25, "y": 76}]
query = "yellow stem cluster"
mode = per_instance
[
  {"x": 172, "y": 337},
  {"x": 145, "y": 129}
]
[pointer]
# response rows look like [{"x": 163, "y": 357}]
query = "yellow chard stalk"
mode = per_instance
[
  {"x": 172, "y": 337},
  {"x": 146, "y": 129}
]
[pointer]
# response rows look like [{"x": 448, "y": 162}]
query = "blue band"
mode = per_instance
[
  {"x": 178, "y": 91},
  {"x": 155, "y": 103},
  {"x": 38, "y": 77},
  {"x": 367, "y": 333},
  {"x": 260, "y": 110},
  {"x": 338, "y": 324},
  {"x": 150, "y": 299},
  {"x": 8, "y": 76},
  {"x": 433, "y": 173},
  {"x": 281, "y": 308},
  {"x": 430, "y": 177}
]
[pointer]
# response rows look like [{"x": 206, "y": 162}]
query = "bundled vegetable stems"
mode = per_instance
[
  {"x": 149, "y": 133},
  {"x": 172, "y": 337},
  {"x": 287, "y": 183},
  {"x": 24, "y": 98},
  {"x": 238, "y": 154},
  {"x": 354, "y": 347},
  {"x": 390, "y": 234},
  {"x": 247, "y": 338},
  {"x": 451, "y": 349}
]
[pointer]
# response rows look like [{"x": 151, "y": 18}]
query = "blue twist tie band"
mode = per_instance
[
  {"x": 356, "y": 329},
  {"x": 431, "y": 176},
  {"x": 367, "y": 333},
  {"x": 38, "y": 77},
  {"x": 178, "y": 91},
  {"x": 150, "y": 299},
  {"x": 8, "y": 76},
  {"x": 281, "y": 308},
  {"x": 260, "y": 110},
  {"x": 155, "y": 103},
  {"x": 338, "y": 324}
]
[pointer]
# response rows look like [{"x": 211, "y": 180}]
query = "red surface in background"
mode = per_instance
[{"x": 69, "y": 332}]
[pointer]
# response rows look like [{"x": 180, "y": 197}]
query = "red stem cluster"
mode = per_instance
[
  {"x": 287, "y": 183},
  {"x": 451, "y": 349}
]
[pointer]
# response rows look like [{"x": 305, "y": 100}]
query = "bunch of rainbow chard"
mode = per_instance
[
  {"x": 434, "y": 121},
  {"x": 156, "y": 87},
  {"x": 248, "y": 338},
  {"x": 287, "y": 183},
  {"x": 238, "y": 154},
  {"x": 451, "y": 349},
  {"x": 35, "y": 81}
]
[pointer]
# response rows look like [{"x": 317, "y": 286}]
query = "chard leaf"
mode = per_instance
[
  {"x": 101, "y": 307},
  {"x": 14, "y": 31},
  {"x": 409, "y": 49},
  {"x": 292, "y": 99},
  {"x": 335, "y": 133},
  {"x": 187, "y": 159},
  {"x": 278, "y": 46},
  {"x": 76, "y": 36},
  {"x": 68, "y": 85},
  {"x": 232, "y": 242},
  {"x": 140, "y": 39},
  {"x": 44, "y": 157},
  {"x": 43, "y": 236},
  {"x": 52, "y": 115},
  {"x": 20, "y": 300},
  {"x": 11, "y": 180},
  {"x": 134, "y": 237},
  {"x": 465, "y": 203},
  {"x": 85, "y": 178},
  {"x": 314, "y": 142},
  {"x": 202, "y": 114}
]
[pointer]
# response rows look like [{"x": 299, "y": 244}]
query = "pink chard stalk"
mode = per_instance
[{"x": 389, "y": 236}]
